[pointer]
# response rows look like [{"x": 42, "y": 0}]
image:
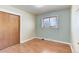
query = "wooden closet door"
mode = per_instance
[
  {"x": 9, "y": 29},
  {"x": 14, "y": 29},
  {"x": 3, "y": 29}
]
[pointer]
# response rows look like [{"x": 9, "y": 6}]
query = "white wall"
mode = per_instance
[
  {"x": 75, "y": 28},
  {"x": 27, "y": 25}
]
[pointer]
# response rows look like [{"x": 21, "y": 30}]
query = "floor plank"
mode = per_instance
[{"x": 38, "y": 46}]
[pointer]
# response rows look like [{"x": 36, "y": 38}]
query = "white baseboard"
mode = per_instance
[
  {"x": 53, "y": 40},
  {"x": 27, "y": 40},
  {"x": 45, "y": 39}
]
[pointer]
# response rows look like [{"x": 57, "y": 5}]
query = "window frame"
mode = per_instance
[{"x": 42, "y": 21}]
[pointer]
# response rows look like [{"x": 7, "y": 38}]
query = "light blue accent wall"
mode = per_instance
[{"x": 63, "y": 31}]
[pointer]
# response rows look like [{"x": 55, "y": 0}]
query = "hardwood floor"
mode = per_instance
[{"x": 38, "y": 46}]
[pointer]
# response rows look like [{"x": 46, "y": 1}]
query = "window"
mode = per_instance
[{"x": 50, "y": 22}]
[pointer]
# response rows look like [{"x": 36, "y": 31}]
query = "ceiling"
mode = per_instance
[{"x": 41, "y": 10}]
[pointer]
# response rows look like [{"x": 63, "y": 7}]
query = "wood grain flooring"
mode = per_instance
[{"x": 38, "y": 46}]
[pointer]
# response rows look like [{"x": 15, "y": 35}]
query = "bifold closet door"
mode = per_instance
[{"x": 9, "y": 29}]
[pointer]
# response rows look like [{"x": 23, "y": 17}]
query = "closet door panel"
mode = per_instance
[
  {"x": 9, "y": 29},
  {"x": 14, "y": 29},
  {"x": 4, "y": 18}
]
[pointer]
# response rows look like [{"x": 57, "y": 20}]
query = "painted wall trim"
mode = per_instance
[
  {"x": 27, "y": 39},
  {"x": 45, "y": 39}
]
